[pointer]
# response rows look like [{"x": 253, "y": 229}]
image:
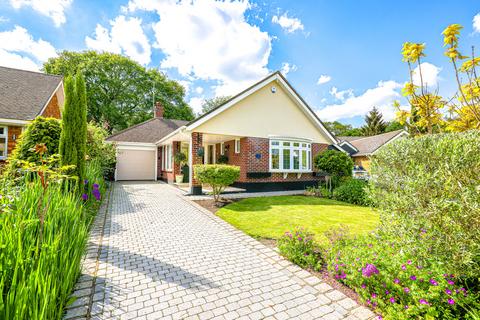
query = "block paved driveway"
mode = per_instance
[{"x": 154, "y": 254}]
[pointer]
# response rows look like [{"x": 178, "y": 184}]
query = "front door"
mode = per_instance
[{"x": 211, "y": 154}]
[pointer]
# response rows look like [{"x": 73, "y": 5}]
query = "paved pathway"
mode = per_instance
[{"x": 153, "y": 254}]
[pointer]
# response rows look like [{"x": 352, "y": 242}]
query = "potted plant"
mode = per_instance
[{"x": 179, "y": 158}]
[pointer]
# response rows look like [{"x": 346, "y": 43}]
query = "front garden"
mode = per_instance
[{"x": 51, "y": 189}]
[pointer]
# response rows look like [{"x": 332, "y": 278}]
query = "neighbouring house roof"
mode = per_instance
[
  {"x": 24, "y": 94},
  {"x": 368, "y": 145},
  {"x": 149, "y": 131}
]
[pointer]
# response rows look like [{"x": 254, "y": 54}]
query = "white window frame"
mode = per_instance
[
  {"x": 167, "y": 158},
  {"x": 222, "y": 148},
  {"x": 303, "y": 146},
  {"x": 4, "y": 135},
  {"x": 237, "y": 145}
]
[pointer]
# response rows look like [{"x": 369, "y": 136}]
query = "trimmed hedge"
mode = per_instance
[{"x": 218, "y": 176}]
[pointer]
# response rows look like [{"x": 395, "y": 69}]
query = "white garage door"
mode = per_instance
[{"x": 136, "y": 163}]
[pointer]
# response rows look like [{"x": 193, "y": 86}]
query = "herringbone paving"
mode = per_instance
[{"x": 154, "y": 254}]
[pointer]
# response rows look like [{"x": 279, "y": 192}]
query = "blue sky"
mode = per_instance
[{"x": 342, "y": 56}]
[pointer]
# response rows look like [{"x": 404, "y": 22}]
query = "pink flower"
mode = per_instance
[
  {"x": 433, "y": 282},
  {"x": 423, "y": 301},
  {"x": 450, "y": 282},
  {"x": 448, "y": 291},
  {"x": 369, "y": 270},
  {"x": 413, "y": 278},
  {"x": 392, "y": 300},
  {"x": 363, "y": 286},
  {"x": 407, "y": 290},
  {"x": 451, "y": 301},
  {"x": 409, "y": 261},
  {"x": 374, "y": 295},
  {"x": 397, "y": 281},
  {"x": 404, "y": 267}
]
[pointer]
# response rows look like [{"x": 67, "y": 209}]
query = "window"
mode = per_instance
[
  {"x": 222, "y": 148},
  {"x": 167, "y": 158},
  {"x": 3, "y": 142},
  {"x": 290, "y": 156},
  {"x": 237, "y": 145}
]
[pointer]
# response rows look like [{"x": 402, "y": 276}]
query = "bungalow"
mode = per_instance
[
  {"x": 362, "y": 148},
  {"x": 24, "y": 95},
  {"x": 267, "y": 130}
]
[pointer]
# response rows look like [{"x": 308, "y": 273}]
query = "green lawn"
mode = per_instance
[{"x": 270, "y": 217}]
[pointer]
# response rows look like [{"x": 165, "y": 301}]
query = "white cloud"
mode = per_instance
[
  {"x": 382, "y": 96},
  {"x": 126, "y": 36},
  {"x": 476, "y": 23},
  {"x": 199, "y": 90},
  {"x": 55, "y": 9},
  {"x": 209, "y": 40},
  {"x": 289, "y": 25},
  {"x": 196, "y": 104},
  {"x": 341, "y": 95},
  {"x": 324, "y": 79},
  {"x": 19, "y": 49},
  {"x": 429, "y": 74},
  {"x": 287, "y": 67},
  {"x": 3, "y": 19}
]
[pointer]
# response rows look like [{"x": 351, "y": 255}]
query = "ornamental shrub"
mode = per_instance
[
  {"x": 40, "y": 131},
  {"x": 352, "y": 191},
  {"x": 298, "y": 246},
  {"x": 218, "y": 176},
  {"x": 396, "y": 284},
  {"x": 73, "y": 140},
  {"x": 100, "y": 151},
  {"x": 335, "y": 163},
  {"x": 427, "y": 190}
]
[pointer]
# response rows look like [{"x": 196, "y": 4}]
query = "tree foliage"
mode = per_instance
[
  {"x": 73, "y": 140},
  {"x": 99, "y": 150},
  {"x": 340, "y": 129},
  {"x": 121, "y": 92},
  {"x": 374, "y": 123},
  {"x": 393, "y": 126},
  {"x": 426, "y": 114},
  {"x": 210, "y": 104},
  {"x": 218, "y": 176}
]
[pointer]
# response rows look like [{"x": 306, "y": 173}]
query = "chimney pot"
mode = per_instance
[{"x": 158, "y": 110}]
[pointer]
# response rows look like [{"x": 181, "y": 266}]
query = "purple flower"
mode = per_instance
[
  {"x": 404, "y": 267},
  {"x": 413, "y": 278},
  {"x": 374, "y": 295},
  {"x": 392, "y": 300},
  {"x": 84, "y": 197},
  {"x": 363, "y": 286},
  {"x": 95, "y": 186},
  {"x": 409, "y": 261},
  {"x": 387, "y": 292},
  {"x": 450, "y": 282},
  {"x": 85, "y": 181},
  {"x": 407, "y": 290},
  {"x": 379, "y": 318},
  {"x": 419, "y": 267},
  {"x": 397, "y": 281},
  {"x": 96, "y": 194},
  {"x": 433, "y": 282},
  {"x": 369, "y": 270},
  {"x": 451, "y": 301},
  {"x": 423, "y": 301},
  {"x": 448, "y": 291},
  {"x": 406, "y": 307}
]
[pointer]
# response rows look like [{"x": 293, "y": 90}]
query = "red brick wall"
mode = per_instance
[
  {"x": 248, "y": 162},
  {"x": 13, "y": 131},
  {"x": 53, "y": 108},
  {"x": 197, "y": 141}
]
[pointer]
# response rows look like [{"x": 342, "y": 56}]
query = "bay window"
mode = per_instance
[{"x": 290, "y": 156}]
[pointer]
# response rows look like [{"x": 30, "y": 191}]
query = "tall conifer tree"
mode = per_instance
[{"x": 374, "y": 123}]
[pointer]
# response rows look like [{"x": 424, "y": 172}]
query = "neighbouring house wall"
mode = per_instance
[
  {"x": 363, "y": 161},
  {"x": 248, "y": 162},
  {"x": 53, "y": 108},
  {"x": 264, "y": 114},
  {"x": 14, "y": 133}
]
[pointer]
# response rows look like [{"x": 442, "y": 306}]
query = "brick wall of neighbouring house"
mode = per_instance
[
  {"x": 14, "y": 133},
  {"x": 53, "y": 108},
  {"x": 248, "y": 162}
]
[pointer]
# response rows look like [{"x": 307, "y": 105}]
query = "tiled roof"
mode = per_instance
[
  {"x": 149, "y": 131},
  {"x": 368, "y": 145},
  {"x": 23, "y": 94}
]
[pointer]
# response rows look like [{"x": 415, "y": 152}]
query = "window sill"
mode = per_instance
[{"x": 290, "y": 171}]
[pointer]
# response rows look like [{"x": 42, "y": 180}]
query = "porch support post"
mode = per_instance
[
  {"x": 196, "y": 142},
  {"x": 176, "y": 166}
]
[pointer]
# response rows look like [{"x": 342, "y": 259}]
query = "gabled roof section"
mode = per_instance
[
  {"x": 24, "y": 94},
  {"x": 254, "y": 88},
  {"x": 369, "y": 145},
  {"x": 149, "y": 131}
]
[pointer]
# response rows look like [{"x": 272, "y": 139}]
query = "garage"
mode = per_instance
[{"x": 136, "y": 162}]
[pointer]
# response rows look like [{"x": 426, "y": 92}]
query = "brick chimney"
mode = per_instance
[{"x": 158, "y": 110}]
